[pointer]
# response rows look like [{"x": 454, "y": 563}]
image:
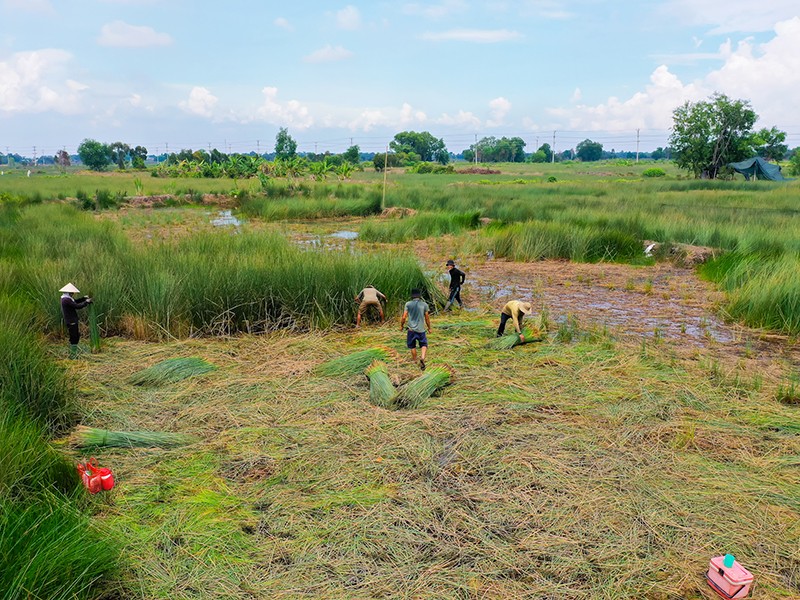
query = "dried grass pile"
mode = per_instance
[
  {"x": 423, "y": 387},
  {"x": 89, "y": 437},
  {"x": 171, "y": 370},
  {"x": 354, "y": 363},
  {"x": 381, "y": 389}
]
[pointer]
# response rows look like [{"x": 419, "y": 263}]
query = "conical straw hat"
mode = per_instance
[{"x": 70, "y": 289}]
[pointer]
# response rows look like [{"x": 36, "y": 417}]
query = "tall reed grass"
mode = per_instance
[
  {"x": 418, "y": 226},
  {"x": 211, "y": 283},
  {"x": 355, "y": 202}
]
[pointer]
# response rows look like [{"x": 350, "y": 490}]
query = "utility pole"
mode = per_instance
[
  {"x": 258, "y": 147},
  {"x": 34, "y": 156},
  {"x": 315, "y": 147},
  {"x": 553, "y": 153},
  {"x": 637, "y": 145},
  {"x": 476, "y": 149}
]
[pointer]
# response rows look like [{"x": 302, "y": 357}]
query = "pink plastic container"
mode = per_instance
[{"x": 729, "y": 582}]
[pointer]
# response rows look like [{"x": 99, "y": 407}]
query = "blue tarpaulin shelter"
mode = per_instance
[{"x": 758, "y": 168}]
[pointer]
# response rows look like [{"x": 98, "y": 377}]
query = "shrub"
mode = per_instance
[{"x": 654, "y": 172}]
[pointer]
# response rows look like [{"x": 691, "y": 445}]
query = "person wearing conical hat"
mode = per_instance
[
  {"x": 69, "y": 308},
  {"x": 516, "y": 311}
]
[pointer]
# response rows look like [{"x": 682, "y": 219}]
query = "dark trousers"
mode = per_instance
[
  {"x": 74, "y": 333},
  {"x": 455, "y": 295},
  {"x": 504, "y": 318}
]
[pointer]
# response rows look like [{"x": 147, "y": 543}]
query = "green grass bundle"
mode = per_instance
[
  {"x": 506, "y": 342},
  {"x": 94, "y": 330},
  {"x": 381, "y": 390},
  {"x": 423, "y": 387},
  {"x": 354, "y": 363},
  {"x": 172, "y": 370},
  {"x": 89, "y": 437}
]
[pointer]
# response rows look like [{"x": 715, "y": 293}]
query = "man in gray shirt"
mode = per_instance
[{"x": 417, "y": 314}]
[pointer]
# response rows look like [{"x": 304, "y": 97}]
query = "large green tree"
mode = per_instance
[
  {"x": 709, "y": 134},
  {"x": 119, "y": 153},
  {"x": 589, "y": 151},
  {"x": 769, "y": 143},
  {"x": 94, "y": 154},
  {"x": 491, "y": 149},
  {"x": 422, "y": 143},
  {"x": 285, "y": 146}
]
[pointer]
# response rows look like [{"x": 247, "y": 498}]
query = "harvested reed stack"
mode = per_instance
[
  {"x": 89, "y": 437},
  {"x": 423, "y": 387},
  {"x": 94, "y": 330},
  {"x": 381, "y": 390},
  {"x": 354, "y": 363},
  {"x": 171, "y": 370}
]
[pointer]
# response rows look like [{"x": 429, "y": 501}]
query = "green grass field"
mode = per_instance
[{"x": 601, "y": 462}]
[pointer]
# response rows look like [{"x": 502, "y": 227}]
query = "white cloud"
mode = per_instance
[
  {"x": 498, "y": 109},
  {"x": 553, "y": 10},
  {"x": 36, "y": 81},
  {"x": 462, "y": 120},
  {"x": 122, "y": 35},
  {"x": 728, "y": 16},
  {"x": 201, "y": 102},
  {"x": 288, "y": 113},
  {"x": 409, "y": 115},
  {"x": 436, "y": 11},
  {"x": 283, "y": 23},
  {"x": 404, "y": 117},
  {"x": 348, "y": 18},
  {"x": 44, "y": 7},
  {"x": 576, "y": 95},
  {"x": 766, "y": 74},
  {"x": 480, "y": 36},
  {"x": 328, "y": 54}
]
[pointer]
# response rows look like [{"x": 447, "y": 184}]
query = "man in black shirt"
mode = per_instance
[
  {"x": 457, "y": 278},
  {"x": 69, "y": 308}
]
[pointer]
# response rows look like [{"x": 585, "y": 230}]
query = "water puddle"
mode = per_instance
[
  {"x": 344, "y": 235},
  {"x": 646, "y": 315},
  {"x": 226, "y": 218}
]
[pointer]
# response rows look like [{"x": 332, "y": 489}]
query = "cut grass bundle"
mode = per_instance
[
  {"x": 423, "y": 387},
  {"x": 507, "y": 342},
  {"x": 381, "y": 390},
  {"x": 89, "y": 437},
  {"x": 94, "y": 330},
  {"x": 354, "y": 363},
  {"x": 171, "y": 370}
]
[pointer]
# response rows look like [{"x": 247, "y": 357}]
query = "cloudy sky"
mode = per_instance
[{"x": 193, "y": 74}]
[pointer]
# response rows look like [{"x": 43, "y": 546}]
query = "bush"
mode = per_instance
[{"x": 654, "y": 172}]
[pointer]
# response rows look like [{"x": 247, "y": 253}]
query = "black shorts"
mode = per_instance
[{"x": 412, "y": 337}]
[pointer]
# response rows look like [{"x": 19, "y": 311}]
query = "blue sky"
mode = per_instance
[{"x": 187, "y": 74}]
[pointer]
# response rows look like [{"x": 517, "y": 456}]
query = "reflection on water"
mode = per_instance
[
  {"x": 225, "y": 218},
  {"x": 345, "y": 235}
]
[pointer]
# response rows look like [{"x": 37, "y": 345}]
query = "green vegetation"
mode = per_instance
[
  {"x": 418, "y": 226},
  {"x": 580, "y": 464},
  {"x": 352, "y": 364},
  {"x": 90, "y": 437},
  {"x": 171, "y": 370}
]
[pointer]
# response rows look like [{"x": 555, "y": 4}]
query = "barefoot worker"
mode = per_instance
[
  {"x": 69, "y": 308},
  {"x": 418, "y": 316},
  {"x": 457, "y": 278},
  {"x": 367, "y": 297},
  {"x": 516, "y": 311}
]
